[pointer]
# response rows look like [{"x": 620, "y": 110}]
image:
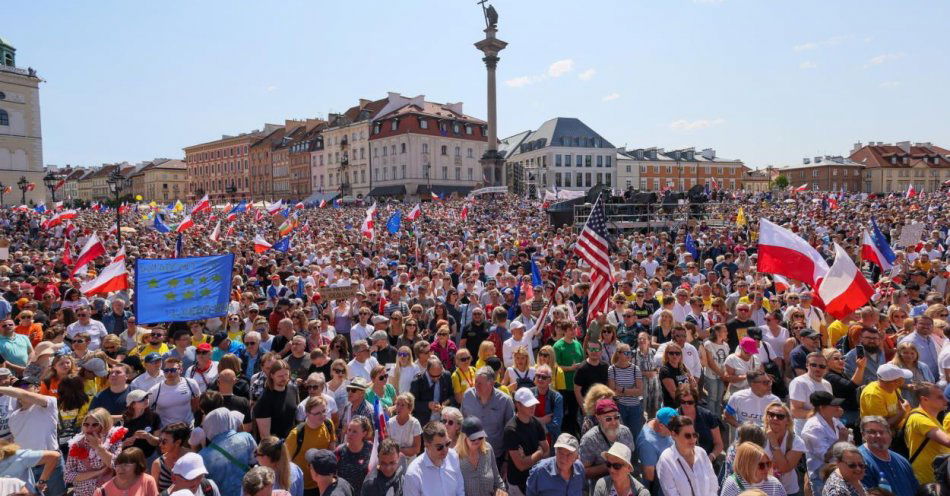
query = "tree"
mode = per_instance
[{"x": 780, "y": 182}]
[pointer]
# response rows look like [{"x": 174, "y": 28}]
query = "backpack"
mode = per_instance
[
  {"x": 779, "y": 388},
  {"x": 522, "y": 381},
  {"x": 206, "y": 489},
  {"x": 301, "y": 431},
  {"x": 194, "y": 395}
]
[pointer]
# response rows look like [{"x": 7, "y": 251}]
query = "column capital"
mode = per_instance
[{"x": 491, "y": 61}]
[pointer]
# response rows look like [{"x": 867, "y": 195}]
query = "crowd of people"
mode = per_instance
[{"x": 464, "y": 357}]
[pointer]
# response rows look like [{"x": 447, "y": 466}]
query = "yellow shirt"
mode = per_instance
[
  {"x": 919, "y": 423},
  {"x": 462, "y": 381},
  {"x": 319, "y": 438},
  {"x": 203, "y": 339},
  {"x": 836, "y": 331},
  {"x": 766, "y": 304},
  {"x": 145, "y": 349},
  {"x": 877, "y": 401}
]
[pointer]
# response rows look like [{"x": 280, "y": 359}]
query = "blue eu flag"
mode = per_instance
[
  {"x": 282, "y": 245},
  {"x": 182, "y": 289},
  {"x": 691, "y": 246},
  {"x": 394, "y": 223},
  {"x": 160, "y": 225}
]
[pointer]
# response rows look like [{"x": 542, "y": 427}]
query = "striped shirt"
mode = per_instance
[
  {"x": 625, "y": 378},
  {"x": 735, "y": 485}
]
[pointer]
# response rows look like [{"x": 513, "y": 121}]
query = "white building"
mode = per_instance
[{"x": 21, "y": 138}]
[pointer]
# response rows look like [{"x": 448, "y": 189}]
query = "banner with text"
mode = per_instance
[{"x": 182, "y": 289}]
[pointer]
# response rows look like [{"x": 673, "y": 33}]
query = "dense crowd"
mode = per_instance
[{"x": 462, "y": 359}]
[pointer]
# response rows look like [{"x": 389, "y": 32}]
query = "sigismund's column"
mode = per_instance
[{"x": 491, "y": 162}]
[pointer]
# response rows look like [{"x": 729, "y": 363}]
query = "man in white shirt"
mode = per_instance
[
  {"x": 363, "y": 362},
  {"x": 748, "y": 405},
  {"x": 519, "y": 337},
  {"x": 492, "y": 266},
  {"x": 681, "y": 306},
  {"x": 801, "y": 388},
  {"x": 34, "y": 426},
  {"x": 153, "y": 373},
  {"x": 435, "y": 472},
  {"x": 650, "y": 264},
  {"x": 87, "y": 324}
]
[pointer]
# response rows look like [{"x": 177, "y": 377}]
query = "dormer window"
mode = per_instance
[
  {"x": 894, "y": 160},
  {"x": 395, "y": 125},
  {"x": 376, "y": 128},
  {"x": 423, "y": 123},
  {"x": 468, "y": 129},
  {"x": 455, "y": 128}
]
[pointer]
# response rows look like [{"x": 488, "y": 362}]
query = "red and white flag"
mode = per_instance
[
  {"x": 260, "y": 244},
  {"x": 415, "y": 212},
  {"x": 70, "y": 228},
  {"x": 258, "y": 216},
  {"x": 59, "y": 217},
  {"x": 67, "y": 253},
  {"x": 92, "y": 250},
  {"x": 781, "y": 283},
  {"x": 113, "y": 278},
  {"x": 783, "y": 252},
  {"x": 464, "y": 214},
  {"x": 60, "y": 184},
  {"x": 216, "y": 234},
  {"x": 368, "y": 228},
  {"x": 185, "y": 224},
  {"x": 58, "y": 206},
  {"x": 323, "y": 203},
  {"x": 230, "y": 232},
  {"x": 202, "y": 205},
  {"x": 31, "y": 186},
  {"x": 119, "y": 256},
  {"x": 801, "y": 188},
  {"x": 274, "y": 208},
  {"x": 844, "y": 288},
  {"x": 299, "y": 206},
  {"x": 911, "y": 192}
]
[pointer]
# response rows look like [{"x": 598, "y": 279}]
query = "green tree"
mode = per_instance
[{"x": 780, "y": 182}]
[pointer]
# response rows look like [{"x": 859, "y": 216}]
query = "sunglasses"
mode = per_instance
[
  {"x": 87, "y": 424},
  {"x": 440, "y": 446},
  {"x": 402, "y": 354},
  {"x": 75, "y": 341},
  {"x": 594, "y": 349},
  {"x": 818, "y": 365},
  {"x": 687, "y": 402},
  {"x": 383, "y": 377},
  {"x": 543, "y": 377},
  {"x": 674, "y": 353},
  {"x": 199, "y": 352},
  {"x": 615, "y": 466},
  {"x": 765, "y": 465},
  {"x": 851, "y": 465},
  {"x": 611, "y": 418},
  {"x": 776, "y": 415},
  {"x": 251, "y": 343},
  {"x": 690, "y": 435},
  {"x": 173, "y": 370},
  {"x": 339, "y": 371}
]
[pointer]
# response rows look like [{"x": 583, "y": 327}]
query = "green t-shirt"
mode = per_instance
[{"x": 568, "y": 354}]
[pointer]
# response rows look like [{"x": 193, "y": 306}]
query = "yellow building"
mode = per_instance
[{"x": 161, "y": 180}]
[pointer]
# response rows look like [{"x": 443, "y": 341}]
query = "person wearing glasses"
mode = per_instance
[
  {"x": 821, "y": 431},
  {"x": 89, "y": 463},
  {"x": 15, "y": 349},
  {"x": 739, "y": 326},
  {"x": 172, "y": 398},
  {"x": 436, "y": 472},
  {"x": 85, "y": 323},
  {"x": 432, "y": 390},
  {"x": 619, "y": 479},
  {"x": 748, "y": 405},
  {"x": 205, "y": 370},
  {"x": 880, "y": 459},
  {"x": 849, "y": 470},
  {"x": 809, "y": 341},
  {"x": 684, "y": 469},
  {"x": 752, "y": 469},
  {"x": 801, "y": 388},
  {"x": 592, "y": 371},
  {"x": 315, "y": 432},
  {"x": 477, "y": 461},
  {"x": 388, "y": 476},
  {"x": 599, "y": 438}
]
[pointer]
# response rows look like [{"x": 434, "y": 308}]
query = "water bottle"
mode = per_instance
[{"x": 883, "y": 482}]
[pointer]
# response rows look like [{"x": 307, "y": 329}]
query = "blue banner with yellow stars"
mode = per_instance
[{"x": 182, "y": 289}]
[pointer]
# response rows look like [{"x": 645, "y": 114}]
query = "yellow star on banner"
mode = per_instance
[
  {"x": 203, "y": 279},
  {"x": 153, "y": 283},
  {"x": 189, "y": 281},
  {"x": 172, "y": 282},
  {"x": 188, "y": 295},
  {"x": 216, "y": 278},
  {"x": 170, "y": 296},
  {"x": 205, "y": 292}
]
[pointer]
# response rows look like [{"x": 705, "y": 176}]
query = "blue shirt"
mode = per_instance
[
  {"x": 20, "y": 465},
  {"x": 224, "y": 472},
  {"x": 870, "y": 371},
  {"x": 650, "y": 445},
  {"x": 236, "y": 348},
  {"x": 926, "y": 349},
  {"x": 897, "y": 471},
  {"x": 15, "y": 349},
  {"x": 5, "y": 308},
  {"x": 544, "y": 479}
]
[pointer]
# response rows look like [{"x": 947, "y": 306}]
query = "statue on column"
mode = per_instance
[{"x": 491, "y": 15}]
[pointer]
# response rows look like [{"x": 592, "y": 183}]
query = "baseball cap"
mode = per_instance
[
  {"x": 891, "y": 372},
  {"x": 619, "y": 450},
  {"x": 605, "y": 405},
  {"x": 749, "y": 345},
  {"x": 380, "y": 319},
  {"x": 322, "y": 461},
  {"x": 517, "y": 324},
  {"x": 96, "y": 366},
  {"x": 190, "y": 466},
  {"x": 665, "y": 414},
  {"x": 567, "y": 442},
  {"x": 203, "y": 347},
  {"x": 525, "y": 397},
  {"x": 808, "y": 332},
  {"x": 5, "y": 372},
  {"x": 136, "y": 396},
  {"x": 824, "y": 398},
  {"x": 153, "y": 357},
  {"x": 219, "y": 337},
  {"x": 472, "y": 428},
  {"x": 27, "y": 381}
]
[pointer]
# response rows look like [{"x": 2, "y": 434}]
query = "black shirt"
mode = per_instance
[
  {"x": 842, "y": 387},
  {"x": 704, "y": 424},
  {"x": 148, "y": 422},
  {"x": 113, "y": 402},
  {"x": 238, "y": 404},
  {"x": 733, "y": 327},
  {"x": 527, "y": 436},
  {"x": 377, "y": 484},
  {"x": 385, "y": 356},
  {"x": 473, "y": 335},
  {"x": 280, "y": 407},
  {"x": 588, "y": 375},
  {"x": 668, "y": 372}
]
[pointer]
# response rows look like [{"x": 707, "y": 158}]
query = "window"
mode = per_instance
[
  {"x": 3, "y": 96},
  {"x": 392, "y": 149},
  {"x": 471, "y": 153},
  {"x": 403, "y": 171},
  {"x": 470, "y": 174},
  {"x": 423, "y": 124},
  {"x": 445, "y": 150},
  {"x": 468, "y": 129},
  {"x": 458, "y": 151},
  {"x": 607, "y": 176},
  {"x": 458, "y": 173},
  {"x": 445, "y": 172},
  {"x": 608, "y": 161},
  {"x": 600, "y": 160},
  {"x": 395, "y": 125},
  {"x": 455, "y": 128},
  {"x": 643, "y": 184},
  {"x": 402, "y": 148},
  {"x": 580, "y": 161},
  {"x": 384, "y": 151},
  {"x": 600, "y": 178},
  {"x": 587, "y": 180},
  {"x": 587, "y": 161},
  {"x": 567, "y": 180},
  {"x": 4, "y": 118},
  {"x": 579, "y": 180},
  {"x": 567, "y": 160},
  {"x": 557, "y": 160}
]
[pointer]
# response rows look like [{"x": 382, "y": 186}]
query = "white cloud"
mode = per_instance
[
  {"x": 811, "y": 45},
  {"x": 518, "y": 82},
  {"x": 687, "y": 125},
  {"x": 610, "y": 97},
  {"x": 808, "y": 65},
  {"x": 890, "y": 84},
  {"x": 883, "y": 58},
  {"x": 587, "y": 75},
  {"x": 560, "y": 68},
  {"x": 271, "y": 88}
]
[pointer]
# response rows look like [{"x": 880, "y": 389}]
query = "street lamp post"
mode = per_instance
[
  {"x": 50, "y": 181},
  {"x": 117, "y": 182},
  {"x": 231, "y": 190},
  {"x": 3, "y": 188},
  {"x": 23, "y": 184}
]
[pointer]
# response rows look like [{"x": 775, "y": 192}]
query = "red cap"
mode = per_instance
[
  {"x": 204, "y": 347},
  {"x": 605, "y": 405}
]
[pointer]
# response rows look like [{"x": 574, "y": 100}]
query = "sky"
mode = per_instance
[{"x": 767, "y": 82}]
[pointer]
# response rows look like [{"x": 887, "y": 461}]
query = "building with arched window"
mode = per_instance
[{"x": 21, "y": 143}]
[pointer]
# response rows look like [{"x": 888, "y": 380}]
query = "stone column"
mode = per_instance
[{"x": 491, "y": 162}]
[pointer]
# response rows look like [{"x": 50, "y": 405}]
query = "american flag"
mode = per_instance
[{"x": 593, "y": 247}]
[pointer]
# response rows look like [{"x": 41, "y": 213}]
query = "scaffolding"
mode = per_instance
[{"x": 660, "y": 217}]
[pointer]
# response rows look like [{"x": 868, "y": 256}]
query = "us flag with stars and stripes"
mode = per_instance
[{"x": 593, "y": 247}]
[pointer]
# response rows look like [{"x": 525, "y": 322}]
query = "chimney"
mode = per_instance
[
  {"x": 858, "y": 146},
  {"x": 904, "y": 146},
  {"x": 364, "y": 102},
  {"x": 454, "y": 107},
  {"x": 709, "y": 154}
]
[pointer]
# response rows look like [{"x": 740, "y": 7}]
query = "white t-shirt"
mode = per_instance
[
  {"x": 943, "y": 361},
  {"x": 203, "y": 379},
  {"x": 788, "y": 479},
  {"x": 650, "y": 266},
  {"x": 690, "y": 358},
  {"x": 406, "y": 375},
  {"x": 745, "y": 406},
  {"x": 404, "y": 434},
  {"x": 35, "y": 427},
  {"x": 173, "y": 403},
  {"x": 145, "y": 381},
  {"x": 491, "y": 269},
  {"x": 94, "y": 328},
  {"x": 364, "y": 369},
  {"x": 719, "y": 353},
  {"x": 800, "y": 389},
  {"x": 741, "y": 367},
  {"x": 7, "y": 405},
  {"x": 764, "y": 356},
  {"x": 510, "y": 345},
  {"x": 302, "y": 410},
  {"x": 360, "y": 331},
  {"x": 776, "y": 342},
  {"x": 513, "y": 375}
]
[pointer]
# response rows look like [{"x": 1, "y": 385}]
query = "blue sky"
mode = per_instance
[{"x": 768, "y": 82}]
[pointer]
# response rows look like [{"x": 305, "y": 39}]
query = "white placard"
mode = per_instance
[{"x": 910, "y": 234}]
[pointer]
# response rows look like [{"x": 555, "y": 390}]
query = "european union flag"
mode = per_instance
[
  {"x": 182, "y": 289},
  {"x": 282, "y": 245},
  {"x": 394, "y": 222},
  {"x": 535, "y": 274},
  {"x": 239, "y": 208},
  {"x": 159, "y": 225},
  {"x": 691, "y": 247}
]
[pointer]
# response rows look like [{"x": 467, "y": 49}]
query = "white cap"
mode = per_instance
[
  {"x": 525, "y": 397},
  {"x": 190, "y": 466},
  {"x": 517, "y": 324},
  {"x": 891, "y": 372}
]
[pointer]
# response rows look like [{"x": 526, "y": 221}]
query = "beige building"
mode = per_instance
[
  {"x": 658, "y": 169},
  {"x": 892, "y": 168},
  {"x": 345, "y": 151},
  {"x": 161, "y": 180},
  {"x": 70, "y": 190},
  {"x": 756, "y": 180},
  {"x": 21, "y": 142}
]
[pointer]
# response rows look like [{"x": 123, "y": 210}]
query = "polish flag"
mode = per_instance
[
  {"x": 202, "y": 205},
  {"x": 59, "y": 217},
  {"x": 58, "y": 206},
  {"x": 299, "y": 206},
  {"x": 782, "y": 252},
  {"x": 70, "y": 228},
  {"x": 323, "y": 203},
  {"x": 911, "y": 192},
  {"x": 96, "y": 207},
  {"x": 844, "y": 288},
  {"x": 435, "y": 197},
  {"x": 227, "y": 207},
  {"x": 260, "y": 244},
  {"x": 464, "y": 214},
  {"x": 259, "y": 216},
  {"x": 185, "y": 224},
  {"x": 801, "y": 188},
  {"x": 216, "y": 234},
  {"x": 113, "y": 278},
  {"x": 230, "y": 231},
  {"x": 781, "y": 283},
  {"x": 119, "y": 256},
  {"x": 415, "y": 212},
  {"x": 67, "y": 253},
  {"x": 876, "y": 249},
  {"x": 369, "y": 223},
  {"x": 231, "y": 217},
  {"x": 90, "y": 252},
  {"x": 213, "y": 218},
  {"x": 8, "y": 189},
  {"x": 273, "y": 208},
  {"x": 31, "y": 186}
]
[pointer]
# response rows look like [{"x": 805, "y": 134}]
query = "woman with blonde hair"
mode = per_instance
[
  {"x": 783, "y": 446},
  {"x": 546, "y": 357},
  {"x": 273, "y": 454},
  {"x": 381, "y": 388},
  {"x": 663, "y": 331},
  {"x": 673, "y": 373},
  {"x": 908, "y": 357},
  {"x": 477, "y": 460},
  {"x": 336, "y": 384},
  {"x": 625, "y": 378},
  {"x": 404, "y": 428},
  {"x": 463, "y": 377},
  {"x": 520, "y": 374},
  {"x": 751, "y": 470},
  {"x": 90, "y": 456},
  {"x": 486, "y": 350}
]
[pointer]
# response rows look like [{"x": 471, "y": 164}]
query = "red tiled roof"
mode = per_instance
[{"x": 881, "y": 155}]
